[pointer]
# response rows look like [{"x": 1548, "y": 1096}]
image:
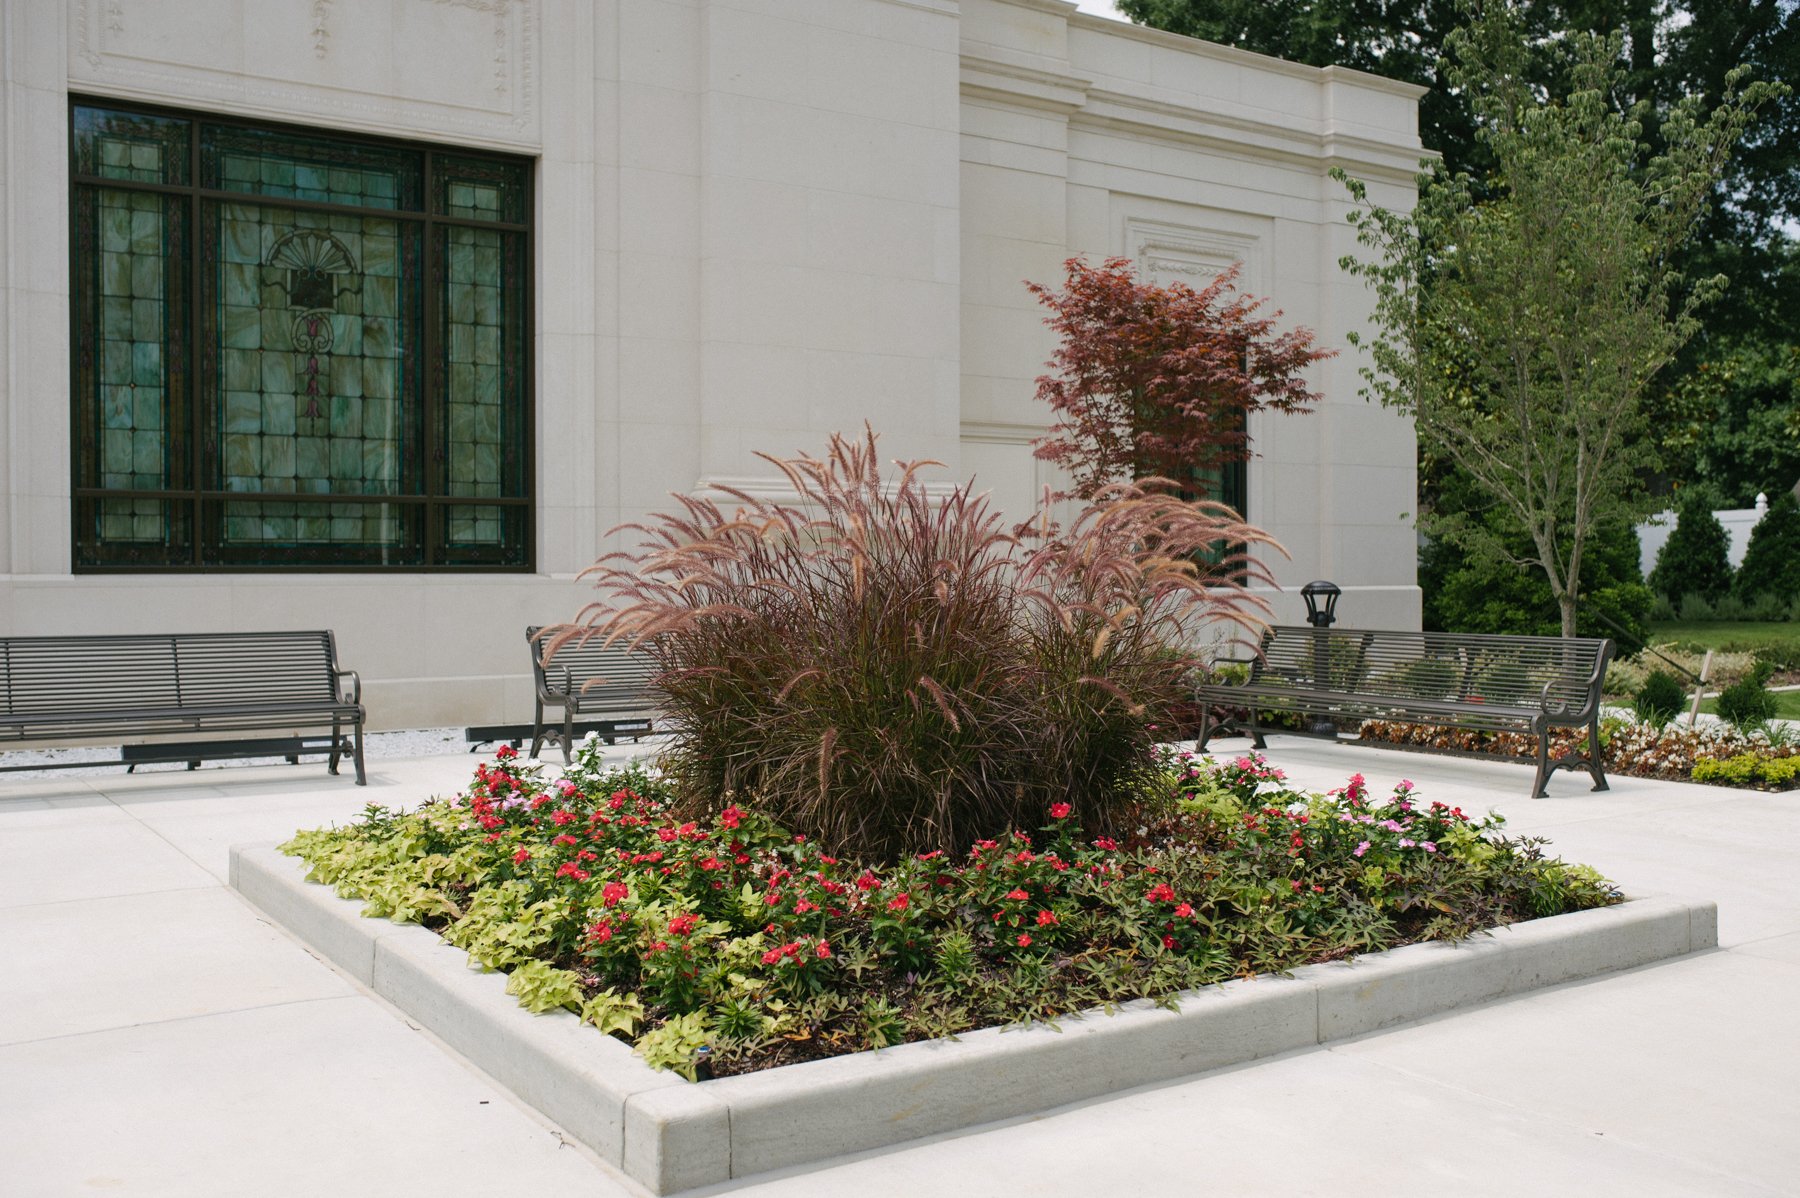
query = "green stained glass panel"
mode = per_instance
[
  {"x": 315, "y": 338},
  {"x": 479, "y": 189},
  {"x": 482, "y": 334},
  {"x": 134, "y": 146},
  {"x": 299, "y": 166},
  {"x": 129, "y": 356}
]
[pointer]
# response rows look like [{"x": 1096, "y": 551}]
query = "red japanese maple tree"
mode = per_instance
[{"x": 1156, "y": 381}]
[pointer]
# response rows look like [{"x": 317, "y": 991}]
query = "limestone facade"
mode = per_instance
[{"x": 756, "y": 222}]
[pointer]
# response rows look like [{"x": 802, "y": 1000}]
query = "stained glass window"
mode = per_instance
[{"x": 296, "y": 349}]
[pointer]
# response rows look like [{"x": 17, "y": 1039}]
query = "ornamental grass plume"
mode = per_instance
[{"x": 889, "y": 672}]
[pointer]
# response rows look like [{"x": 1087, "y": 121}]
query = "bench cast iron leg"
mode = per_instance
[
  {"x": 537, "y": 730},
  {"x": 1543, "y": 764},
  {"x": 1594, "y": 762},
  {"x": 362, "y": 777},
  {"x": 568, "y": 734},
  {"x": 1205, "y": 726},
  {"x": 337, "y": 747}
]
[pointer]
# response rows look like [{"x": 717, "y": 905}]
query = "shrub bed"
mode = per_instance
[
  {"x": 1641, "y": 750},
  {"x": 724, "y": 944}
]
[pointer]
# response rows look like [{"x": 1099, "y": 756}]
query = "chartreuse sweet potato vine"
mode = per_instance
[{"x": 725, "y": 944}]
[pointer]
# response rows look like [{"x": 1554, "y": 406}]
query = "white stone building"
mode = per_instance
[{"x": 464, "y": 283}]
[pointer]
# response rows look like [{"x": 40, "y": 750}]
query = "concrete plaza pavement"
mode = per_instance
[{"x": 159, "y": 1037}]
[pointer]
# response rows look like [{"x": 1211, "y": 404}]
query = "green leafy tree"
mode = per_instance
[
  {"x": 1772, "y": 559},
  {"x": 1732, "y": 423},
  {"x": 1726, "y": 408},
  {"x": 1521, "y": 331},
  {"x": 1696, "y": 559}
]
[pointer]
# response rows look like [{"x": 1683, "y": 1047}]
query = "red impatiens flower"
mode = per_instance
[
  {"x": 1183, "y": 911},
  {"x": 1060, "y": 810},
  {"x": 613, "y": 893},
  {"x": 569, "y": 869},
  {"x": 899, "y": 902},
  {"x": 1047, "y": 918},
  {"x": 824, "y": 950},
  {"x": 1024, "y": 940},
  {"x": 522, "y": 856},
  {"x": 1106, "y": 843},
  {"x": 1162, "y": 892},
  {"x": 1017, "y": 896},
  {"x": 562, "y": 817},
  {"x": 681, "y": 925}
]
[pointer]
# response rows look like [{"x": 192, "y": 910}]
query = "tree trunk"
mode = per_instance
[{"x": 1567, "y": 602}]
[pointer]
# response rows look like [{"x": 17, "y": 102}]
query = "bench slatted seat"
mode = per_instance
[
  {"x": 1493, "y": 683},
  {"x": 60, "y": 688},
  {"x": 609, "y": 687}
]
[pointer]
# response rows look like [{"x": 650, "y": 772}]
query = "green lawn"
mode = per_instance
[
  {"x": 1739, "y": 634},
  {"x": 1787, "y": 705}
]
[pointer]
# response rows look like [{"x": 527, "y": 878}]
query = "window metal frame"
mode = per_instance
[{"x": 206, "y": 504}]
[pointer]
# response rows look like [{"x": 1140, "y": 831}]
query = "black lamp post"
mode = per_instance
[{"x": 1321, "y": 611}]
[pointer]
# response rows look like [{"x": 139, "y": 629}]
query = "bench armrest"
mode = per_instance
[{"x": 355, "y": 685}]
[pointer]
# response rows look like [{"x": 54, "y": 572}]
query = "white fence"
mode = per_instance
[{"x": 1737, "y": 521}]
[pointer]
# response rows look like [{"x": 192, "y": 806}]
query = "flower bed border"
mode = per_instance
[{"x": 671, "y": 1135}]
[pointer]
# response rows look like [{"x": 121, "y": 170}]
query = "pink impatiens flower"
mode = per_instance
[{"x": 1361, "y": 848}]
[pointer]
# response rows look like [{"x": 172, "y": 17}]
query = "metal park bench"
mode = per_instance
[
  {"x": 74, "y": 688},
  {"x": 607, "y": 687},
  {"x": 1495, "y": 683}
]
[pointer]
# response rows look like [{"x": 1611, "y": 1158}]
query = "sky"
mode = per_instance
[{"x": 1100, "y": 8}]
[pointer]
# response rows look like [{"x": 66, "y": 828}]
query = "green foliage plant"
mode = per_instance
[
  {"x": 1770, "y": 573},
  {"x": 1749, "y": 769},
  {"x": 1747, "y": 703},
  {"x": 1521, "y": 327},
  {"x": 889, "y": 671},
  {"x": 720, "y": 942},
  {"x": 1695, "y": 560},
  {"x": 1660, "y": 698}
]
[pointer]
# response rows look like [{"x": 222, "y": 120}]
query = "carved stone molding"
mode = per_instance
[
  {"x": 362, "y": 65},
  {"x": 1193, "y": 254}
]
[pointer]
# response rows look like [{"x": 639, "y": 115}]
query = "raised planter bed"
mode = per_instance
[{"x": 673, "y": 1135}]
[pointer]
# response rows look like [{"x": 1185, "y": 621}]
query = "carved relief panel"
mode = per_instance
[{"x": 460, "y": 69}]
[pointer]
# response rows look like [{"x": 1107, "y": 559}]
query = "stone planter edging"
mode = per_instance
[{"x": 671, "y": 1135}]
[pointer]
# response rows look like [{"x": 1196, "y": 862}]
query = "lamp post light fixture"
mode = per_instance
[
  {"x": 1321, "y": 612},
  {"x": 1313, "y": 592}
]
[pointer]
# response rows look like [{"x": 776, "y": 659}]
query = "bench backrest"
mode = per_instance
[
  {"x": 1458, "y": 667},
  {"x": 48, "y": 675},
  {"x": 599, "y": 673}
]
